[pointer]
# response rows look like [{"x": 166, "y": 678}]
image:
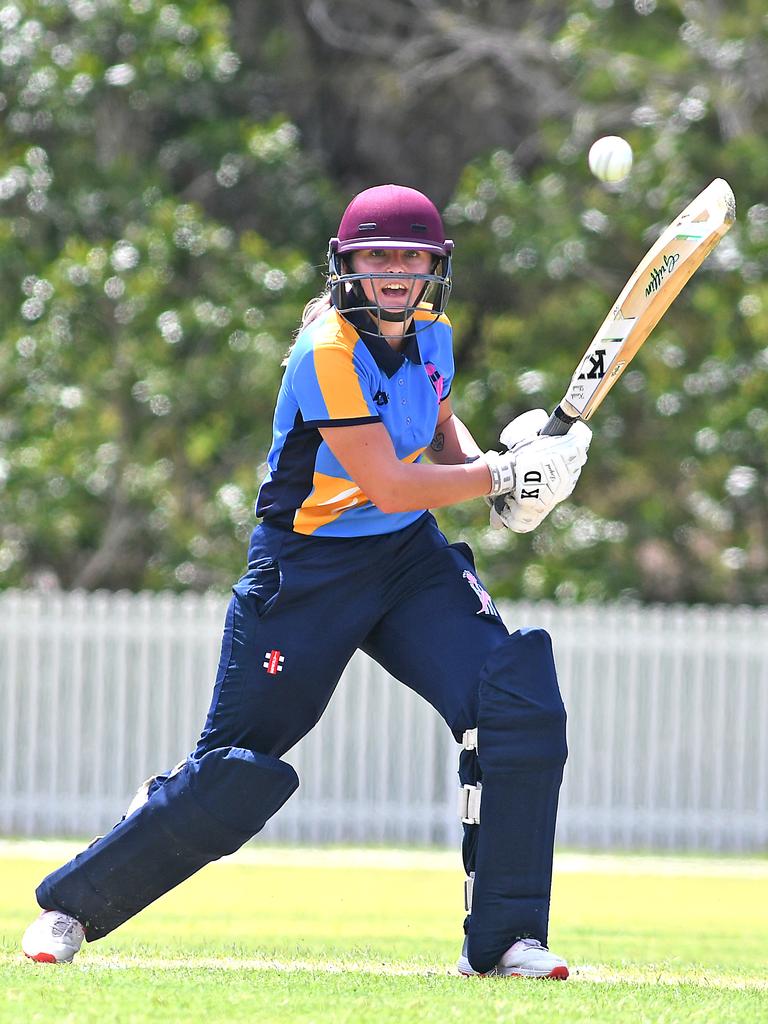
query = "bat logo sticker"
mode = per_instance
[{"x": 596, "y": 368}]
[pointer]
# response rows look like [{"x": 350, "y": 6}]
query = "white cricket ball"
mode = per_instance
[{"x": 610, "y": 158}]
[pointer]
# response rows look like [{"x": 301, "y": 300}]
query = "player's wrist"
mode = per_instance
[{"x": 502, "y": 472}]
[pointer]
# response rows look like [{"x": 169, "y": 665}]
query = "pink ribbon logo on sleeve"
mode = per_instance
[{"x": 437, "y": 379}]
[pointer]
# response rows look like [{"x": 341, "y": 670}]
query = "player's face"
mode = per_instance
[{"x": 393, "y": 295}]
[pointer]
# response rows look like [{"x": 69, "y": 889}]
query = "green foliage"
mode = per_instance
[
  {"x": 143, "y": 333},
  {"x": 158, "y": 239},
  {"x": 672, "y": 504}
]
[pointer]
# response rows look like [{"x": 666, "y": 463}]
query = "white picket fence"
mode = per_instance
[{"x": 668, "y": 725}]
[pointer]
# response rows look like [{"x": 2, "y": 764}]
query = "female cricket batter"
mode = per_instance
[{"x": 346, "y": 557}]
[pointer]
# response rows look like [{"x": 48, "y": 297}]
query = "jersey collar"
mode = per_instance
[{"x": 384, "y": 355}]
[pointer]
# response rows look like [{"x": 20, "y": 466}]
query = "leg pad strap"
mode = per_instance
[{"x": 469, "y": 803}]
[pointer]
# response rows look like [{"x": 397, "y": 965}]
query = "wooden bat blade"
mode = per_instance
[{"x": 650, "y": 291}]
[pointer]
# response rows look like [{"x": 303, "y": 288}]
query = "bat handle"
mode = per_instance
[{"x": 558, "y": 423}]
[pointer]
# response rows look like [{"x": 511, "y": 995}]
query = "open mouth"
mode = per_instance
[{"x": 395, "y": 290}]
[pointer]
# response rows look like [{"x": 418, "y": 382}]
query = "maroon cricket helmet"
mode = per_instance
[{"x": 392, "y": 217}]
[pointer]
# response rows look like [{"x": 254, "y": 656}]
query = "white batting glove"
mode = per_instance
[
  {"x": 525, "y": 427},
  {"x": 543, "y": 471}
]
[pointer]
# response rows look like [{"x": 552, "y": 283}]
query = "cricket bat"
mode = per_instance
[{"x": 645, "y": 298}]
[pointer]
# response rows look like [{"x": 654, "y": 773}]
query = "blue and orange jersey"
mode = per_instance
[{"x": 340, "y": 374}]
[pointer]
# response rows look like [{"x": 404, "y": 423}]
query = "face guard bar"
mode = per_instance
[{"x": 429, "y": 292}]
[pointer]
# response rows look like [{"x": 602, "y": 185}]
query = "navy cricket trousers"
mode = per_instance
[
  {"x": 409, "y": 599},
  {"x": 413, "y": 602}
]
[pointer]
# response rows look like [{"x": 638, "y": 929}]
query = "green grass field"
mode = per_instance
[{"x": 356, "y": 936}]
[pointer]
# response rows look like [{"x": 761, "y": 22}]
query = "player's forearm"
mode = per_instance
[
  {"x": 453, "y": 443},
  {"x": 411, "y": 487}
]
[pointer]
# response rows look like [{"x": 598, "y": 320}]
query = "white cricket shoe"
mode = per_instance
[
  {"x": 53, "y": 938},
  {"x": 527, "y": 958}
]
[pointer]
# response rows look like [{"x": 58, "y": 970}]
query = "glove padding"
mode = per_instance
[{"x": 544, "y": 469}]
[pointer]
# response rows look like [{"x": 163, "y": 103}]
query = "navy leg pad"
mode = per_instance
[
  {"x": 521, "y": 752},
  {"x": 207, "y": 810}
]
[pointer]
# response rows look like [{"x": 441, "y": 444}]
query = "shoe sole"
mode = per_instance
[
  {"x": 559, "y": 973},
  {"x": 42, "y": 958},
  {"x": 556, "y": 974}
]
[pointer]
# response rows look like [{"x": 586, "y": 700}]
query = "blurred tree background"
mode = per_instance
[{"x": 170, "y": 175}]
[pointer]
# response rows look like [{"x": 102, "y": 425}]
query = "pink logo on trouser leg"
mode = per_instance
[{"x": 487, "y": 607}]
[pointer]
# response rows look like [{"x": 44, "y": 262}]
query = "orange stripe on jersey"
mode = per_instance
[
  {"x": 339, "y": 383},
  {"x": 329, "y": 497}
]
